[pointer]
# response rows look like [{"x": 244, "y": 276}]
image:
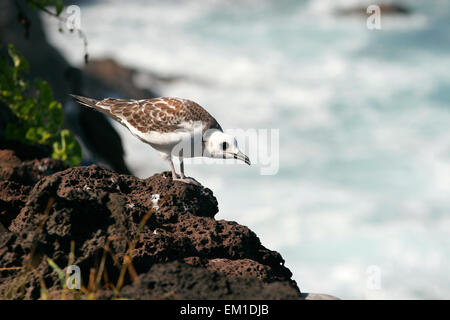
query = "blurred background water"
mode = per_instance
[{"x": 364, "y": 177}]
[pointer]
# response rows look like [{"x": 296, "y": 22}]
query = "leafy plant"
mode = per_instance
[
  {"x": 42, "y": 4},
  {"x": 39, "y": 116}
]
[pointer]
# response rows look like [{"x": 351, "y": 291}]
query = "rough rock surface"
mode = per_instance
[
  {"x": 166, "y": 229},
  {"x": 17, "y": 177},
  {"x": 175, "y": 280}
]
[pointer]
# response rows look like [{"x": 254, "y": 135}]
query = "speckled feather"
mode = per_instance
[{"x": 158, "y": 115}]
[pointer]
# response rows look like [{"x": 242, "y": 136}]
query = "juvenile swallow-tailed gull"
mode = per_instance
[{"x": 173, "y": 126}]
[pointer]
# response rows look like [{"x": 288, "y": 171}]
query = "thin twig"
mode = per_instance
[{"x": 63, "y": 20}]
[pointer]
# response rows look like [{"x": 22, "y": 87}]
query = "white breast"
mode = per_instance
[{"x": 186, "y": 141}]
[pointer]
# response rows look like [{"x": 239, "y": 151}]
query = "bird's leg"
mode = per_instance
[
  {"x": 172, "y": 168},
  {"x": 182, "y": 176}
]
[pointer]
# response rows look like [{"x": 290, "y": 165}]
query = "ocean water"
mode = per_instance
[{"x": 360, "y": 205}]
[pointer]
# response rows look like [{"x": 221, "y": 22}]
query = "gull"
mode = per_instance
[{"x": 173, "y": 126}]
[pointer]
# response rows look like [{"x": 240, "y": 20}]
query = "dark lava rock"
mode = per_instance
[
  {"x": 175, "y": 280},
  {"x": 17, "y": 177},
  {"x": 385, "y": 9},
  {"x": 163, "y": 233},
  {"x": 115, "y": 78}
]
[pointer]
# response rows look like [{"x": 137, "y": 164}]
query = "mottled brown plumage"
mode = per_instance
[{"x": 158, "y": 114}]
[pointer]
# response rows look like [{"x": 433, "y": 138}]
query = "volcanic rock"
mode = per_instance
[{"x": 156, "y": 237}]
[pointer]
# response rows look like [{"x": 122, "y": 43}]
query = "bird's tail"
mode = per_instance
[
  {"x": 92, "y": 103},
  {"x": 85, "y": 101}
]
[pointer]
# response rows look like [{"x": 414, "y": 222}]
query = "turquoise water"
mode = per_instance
[{"x": 363, "y": 118}]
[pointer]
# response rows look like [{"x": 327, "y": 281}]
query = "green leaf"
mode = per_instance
[
  {"x": 19, "y": 62},
  {"x": 25, "y": 110},
  {"x": 59, "y": 6},
  {"x": 44, "y": 92},
  {"x": 58, "y": 271},
  {"x": 67, "y": 148},
  {"x": 39, "y": 117},
  {"x": 38, "y": 135},
  {"x": 54, "y": 116}
]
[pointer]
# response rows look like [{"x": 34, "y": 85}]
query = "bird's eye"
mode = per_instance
[{"x": 224, "y": 146}]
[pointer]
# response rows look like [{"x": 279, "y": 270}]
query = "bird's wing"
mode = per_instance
[{"x": 158, "y": 114}]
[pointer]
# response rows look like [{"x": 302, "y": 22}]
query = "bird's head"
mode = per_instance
[{"x": 224, "y": 146}]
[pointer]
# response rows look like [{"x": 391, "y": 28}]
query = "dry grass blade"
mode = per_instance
[
  {"x": 44, "y": 292},
  {"x": 19, "y": 282},
  {"x": 11, "y": 268},
  {"x": 127, "y": 260},
  {"x": 39, "y": 231},
  {"x": 102, "y": 264}
]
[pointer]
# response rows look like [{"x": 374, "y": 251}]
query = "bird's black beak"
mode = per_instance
[{"x": 241, "y": 156}]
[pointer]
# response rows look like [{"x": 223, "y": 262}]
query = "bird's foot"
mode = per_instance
[{"x": 187, "y": 180}]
